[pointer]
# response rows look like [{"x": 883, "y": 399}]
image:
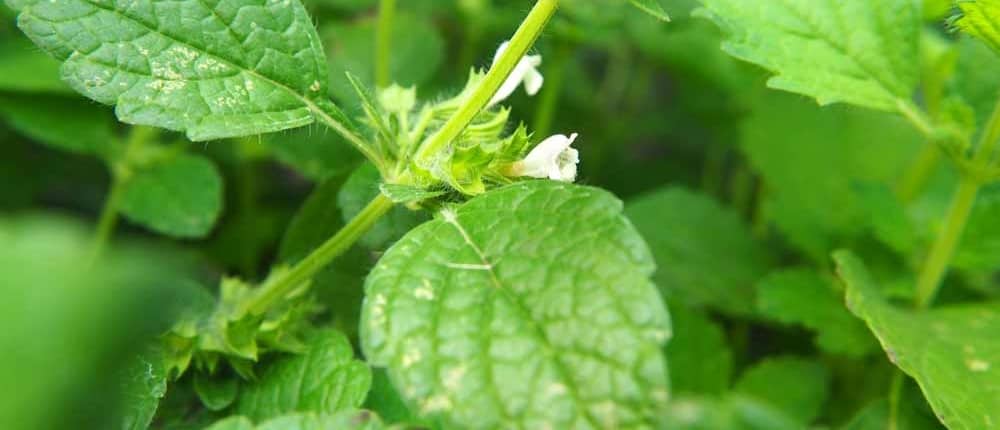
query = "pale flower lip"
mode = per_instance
[
  {"x": 526, "y": 72},
  {"x": 553, "y": 158}
]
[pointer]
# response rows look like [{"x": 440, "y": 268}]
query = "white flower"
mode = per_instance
[
  {"x": 526, "y": 71},
  {"x": 554, "y": 158}
]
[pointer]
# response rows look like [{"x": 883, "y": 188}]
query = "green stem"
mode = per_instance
[
  {"x": 549, "y": 100},
  {"x": 916, "y": 176},
  {"x": 121, "y": 173},
  {"x": 304, "y": 270},
  {"x": 383, "y": 43},
  {"x": 936, "y": 266},
  {"x": 522, "y": 40},
  {"x": 108, "y": 218}
]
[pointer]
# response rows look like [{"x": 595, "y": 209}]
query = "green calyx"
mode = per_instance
[{"x": 473, "y": 162}]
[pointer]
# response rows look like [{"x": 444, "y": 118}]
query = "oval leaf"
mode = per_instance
[{"x": 530, "y": 306}]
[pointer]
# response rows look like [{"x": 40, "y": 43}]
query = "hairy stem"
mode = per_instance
[
  {"x": 522, "y": 40},
  {"x": 383, "y": 43},
  {"x": 936, "y": 266},
  {"x": 335, "y": 246}
]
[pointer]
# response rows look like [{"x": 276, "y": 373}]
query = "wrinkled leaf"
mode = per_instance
[
  {"x": 862, "y": 52},
  {"x": 212, "y": 70},
  {"x": 473, "y": 315},
  {"x": 324, "y": 379}
]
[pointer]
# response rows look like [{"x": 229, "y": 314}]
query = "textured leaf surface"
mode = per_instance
[
  {"x": 325, "y": 379},
  {"x": 862, "y": 52},
  {"x": 952, "y": 352},
  {"x": 802, "y": 296},
  {"x": 796, "y": 386},
  {"x": 689, "y": 235},
  {"x": 528, "y": 306},
  {"x": 178, "y": 197},
  {"x": 981, "y": 19},
  {"x": 699, "y": 349},
  {"x": 213, "y": 69}
]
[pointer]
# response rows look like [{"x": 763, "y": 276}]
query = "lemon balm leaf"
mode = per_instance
[
  {"x": 980, "y": 19},
  {"x": 862, "y": 52},
  {"x": 950, "y": 351},
  {"x": 210, "y": 69},
  {"x": 536, "y": 290}
]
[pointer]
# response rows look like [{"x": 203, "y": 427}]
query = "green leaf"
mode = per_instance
[
  {"x": 796, "y": 386},
  {"x": 145, "y": 383},
  {"x": 802, "y": 296},
  {"x": 951, "y": 351},
  {"x": 981, "y": 19},
  {"x": 887, "y": 217},
  {"x": 179, "y": 197},
  {"x": 699, "y": 354},
  {"x": 417, "y": 52},
  {"x": 912, "y": 414},
  {"x": 811, "y": 159},
  {"x": 689, "y": 235},
  {"x": 863, "y": 52},
  {"x": 65, "y": 123},
  {"x": 216, "y": 392},
  {"x": 324, "y": 379},
  {"x": 979, "y": 248},
  {"x": 651, "y": 7},
  {"x": 212, "y": 70},
  {"x": 731, "y": 412},
  {"x": 348, "y": 420},
  {"x": 363, "y": 186},
  {"x": 536, "y": 290},
  {"x": 316, "y": 153},
  {"x": 24, "y": 69}
]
